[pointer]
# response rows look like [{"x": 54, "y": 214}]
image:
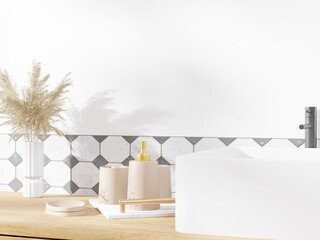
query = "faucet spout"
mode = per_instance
[
  {"x": 310, "y": 127},
  {"x": 305, "y": 126}
]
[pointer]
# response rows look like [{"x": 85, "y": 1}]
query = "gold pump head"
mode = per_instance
[{"x": 143, "y": 155}]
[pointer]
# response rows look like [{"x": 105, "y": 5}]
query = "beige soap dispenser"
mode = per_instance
[{"x": 143, "y": 179}]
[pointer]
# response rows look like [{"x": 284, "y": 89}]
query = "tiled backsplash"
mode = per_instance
[{"x": 72, "y": 162}]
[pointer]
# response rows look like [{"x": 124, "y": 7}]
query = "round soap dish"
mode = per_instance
[{"x": 65, "y": 207}]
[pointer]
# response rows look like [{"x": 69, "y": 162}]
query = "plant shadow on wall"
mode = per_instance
[{"x": 100, "y": 117}]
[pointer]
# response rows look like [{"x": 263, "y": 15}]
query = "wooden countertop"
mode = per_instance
[{"x": 21, "y": 216}]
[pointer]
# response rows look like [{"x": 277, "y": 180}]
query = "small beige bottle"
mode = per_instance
[{"x": 143, "y": 179}]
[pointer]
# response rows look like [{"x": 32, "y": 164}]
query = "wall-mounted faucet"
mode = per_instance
[{"x": 310, "y": 127}]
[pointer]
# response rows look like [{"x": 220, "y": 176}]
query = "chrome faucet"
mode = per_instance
[{"x": 310, "y": 127}]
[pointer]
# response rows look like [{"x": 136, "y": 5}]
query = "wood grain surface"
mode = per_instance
[{"x": 21, "y": 216}]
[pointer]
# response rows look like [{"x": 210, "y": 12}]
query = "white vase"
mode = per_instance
[{"x": 33, "y": 167}]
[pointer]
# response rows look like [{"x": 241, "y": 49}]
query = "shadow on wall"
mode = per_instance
[{"x": 100, "y": 117}]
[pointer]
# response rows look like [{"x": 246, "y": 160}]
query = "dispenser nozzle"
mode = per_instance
[{"x": 143, "y": 155}]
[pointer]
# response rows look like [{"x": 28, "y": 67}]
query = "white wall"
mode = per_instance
[{"x": 172, "y": 67}]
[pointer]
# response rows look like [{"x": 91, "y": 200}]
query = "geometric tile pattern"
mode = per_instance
[
  {"x": 100, "y": 161},
  {"x": 227, "y": 141},
  {"x": 57, "y": 147},
  {"x": 72, "y": 162},
  {"x": 15, "y": 159},
  {"x": 175, "y": 146},
  {"x": 71, "y": 187},
  {"x": 244, "y": 142},
  {"x": 208, "y": 143},
  {"x": 15, "y": 184},
  {"x": 193, "y": 140},
  {"x": 85, "y": 175},
  {"x": 115, "y": 149},
  {"x": 7, "y": 172},
  {"x": 56, "y": 173},
  {"x": 297, "y": 142},
  {"x": 85, "y": 148},
  {"x": 262, "y": 141}
]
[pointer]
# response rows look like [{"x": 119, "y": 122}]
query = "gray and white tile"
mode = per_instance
[
  {"x": 21, "y": 147},
  {"x": 85, "y": 192},
  {"x": 7, "y": 172},
  {"x": 85, "y": 175},
  {"x": 56, "y": 173},
  {"x": 15, "y": 184},
  {"x": 56, "y": 147},
  {"x": 278, "y": 143},
  {"x": 175, "y": 146},
  {"x": 244, "y": 142},
  {"x": 115, "y": 149},
  {"x": 85, "y": 148},
  {"x": 7, "y": 146},
  {"x": 207, "y": 144}
]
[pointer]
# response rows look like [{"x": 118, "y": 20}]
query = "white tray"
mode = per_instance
[{"x": 113, "y": 211}]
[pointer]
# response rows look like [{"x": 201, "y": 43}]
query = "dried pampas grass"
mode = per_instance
[{"x": 34, "y": 111}]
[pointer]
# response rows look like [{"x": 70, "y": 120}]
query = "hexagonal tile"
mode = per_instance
[
  {"x": 100, "y": 161},
  {"x": 7, "y": 146},
  {"x": 175, "y": 146},
  {"x": 208, "y": 143},
  {"x": 85, "y": 175},
  {"x": 15, "y": 159},
  {"x": 115, "y": 149},
  {"x": 56, "y": 174},
  {"x": 244, "y": 142},
  {"x": 85, "y": 148},
  {"x": 153, "y": 147},
  {"x": 7, "y": 172},
  {"x": 56, "y": 147}
]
